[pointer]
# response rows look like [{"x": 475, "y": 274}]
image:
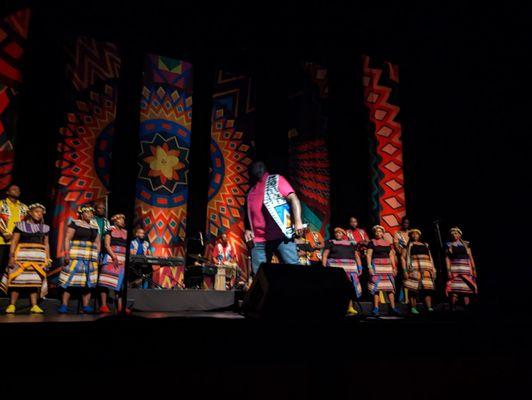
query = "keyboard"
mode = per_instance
[{"x": 154, "y": 260}]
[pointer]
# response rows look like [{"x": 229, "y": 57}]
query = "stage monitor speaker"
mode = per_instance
[{"x": 283, "y": 291}]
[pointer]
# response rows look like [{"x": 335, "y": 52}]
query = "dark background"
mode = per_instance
[{"x": 465, "y": 79}]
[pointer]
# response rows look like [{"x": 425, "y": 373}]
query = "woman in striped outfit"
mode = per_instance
[
  {"x": 461, "y": 271},
  {"x": 382, "y": 267},
  {"x": 82, "y": 248},
  {"x": 419, "y": 272},
  {"x": 113, "y": 262},
  {"x": 343, "y": 253},
  {"x": 29, "y": 256}
]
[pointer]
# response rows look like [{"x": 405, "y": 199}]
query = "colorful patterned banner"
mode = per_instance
[
  {"x": 86, "y": 138},
  {"x": 232, "y": 132},
  {"x": 381, "y": 81},
  {"x": 162, "y": 183},
  {"x": 13, "y": 34},
  {"x": 309, "y": 154}
]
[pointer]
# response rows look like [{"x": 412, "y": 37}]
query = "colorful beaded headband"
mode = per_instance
[
  {"x": 455, "y": 229},
  {"x": 339, "y": 230},
  {"x": 37, "y": 205},
  {"x": 116, "y": 217},
  {"x": 83, "y": 209},
  {"x": 379, "y": 227}
]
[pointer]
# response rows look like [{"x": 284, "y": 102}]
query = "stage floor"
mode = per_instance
[
  {"x": 27, "y": 318},
  {"x": 23, "y": 316},
  {"x": 221, "y": 354},
  {"x": 191, "y": 304}
]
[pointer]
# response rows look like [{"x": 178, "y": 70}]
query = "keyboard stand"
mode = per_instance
[{"x": 144, "y": 277}]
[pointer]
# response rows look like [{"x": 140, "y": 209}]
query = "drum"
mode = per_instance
[{"x": 219, "y": 279}]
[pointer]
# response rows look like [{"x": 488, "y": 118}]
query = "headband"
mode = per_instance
[
  {"x": 117, "y": 216},
  {"x": 83, "y": 209},
  {"x": 37, "y": 205},
  {"x": 379, "y": 227},
  {"x": 455, "y": 229},
  {"x": 339, "y": 230}
]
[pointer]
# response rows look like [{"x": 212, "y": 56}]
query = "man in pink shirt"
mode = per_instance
[{"x": 273, "y": 217}]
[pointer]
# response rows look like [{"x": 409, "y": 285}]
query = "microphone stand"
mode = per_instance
[
  {"x": 187, "y": 239},
  {"x": 441, "y": 262}
]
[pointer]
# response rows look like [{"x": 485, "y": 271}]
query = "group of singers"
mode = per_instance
[
  {"x": 95, "y": 250},
  {"x": 274, "y": 225},
  {"x": 403, "y": 258}
]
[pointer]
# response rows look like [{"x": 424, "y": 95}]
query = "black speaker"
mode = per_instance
[{"x": 283, "y": 291}]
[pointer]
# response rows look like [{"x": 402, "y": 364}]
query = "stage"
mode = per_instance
[
  {"x": 180, "y": 300},
  {"x": 221, "y": 354},
  {"x": 193, "y": 303},
  {"x": 158, "y": 109}
]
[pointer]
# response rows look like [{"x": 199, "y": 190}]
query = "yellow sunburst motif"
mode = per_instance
[{"x": 164, "y": 163}]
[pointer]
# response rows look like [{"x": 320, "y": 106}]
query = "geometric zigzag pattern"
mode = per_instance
[
  {"x": 309, "y": 153},
  {"x": 231, "y": 155},
  {"x": 311, "y": 180},
  {"x": 380, "y": 82},
  {"x": 163, "y": 161},
  {"x": 87, "y": 134},
  {"x": 13, "y": 34}
]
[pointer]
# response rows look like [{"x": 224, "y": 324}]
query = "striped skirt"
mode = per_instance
[
  {"x": 352, "y": 270},
  {"x": 420, "y": 274},
  {"x": 82, "y": 270},
  {"x": 30, "y": 259},
  {"x": 111, "y": 274},
  {"x": 462, "y": 280},
  {"x": 382, "y": 277}
]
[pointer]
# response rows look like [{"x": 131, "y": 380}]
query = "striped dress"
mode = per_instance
[
  {"x": 82, "y": 270},
  {"x": 30, "y": 259},
  {"x": 419, "y": 271},
  {"x": 381, "y": 271},
  {"x": 462, "y": 274},
  {"x": 342, "y": 255},
  {"x": 111, "y": 274}
]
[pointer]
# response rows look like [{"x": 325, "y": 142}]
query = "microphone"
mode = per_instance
[{"x": 201, "y": 238}]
